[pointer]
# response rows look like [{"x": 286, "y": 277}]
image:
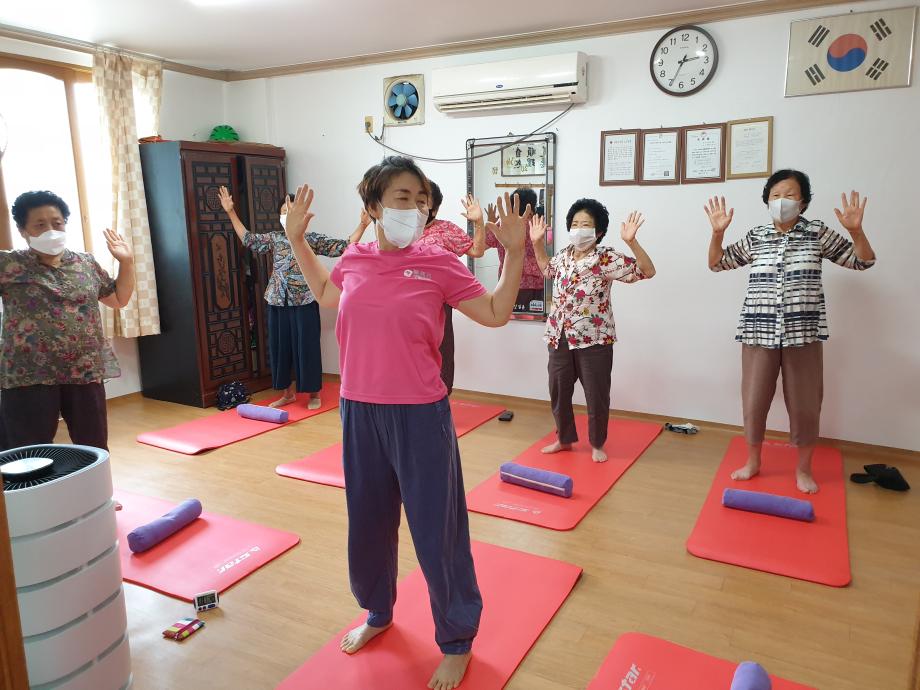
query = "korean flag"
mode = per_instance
[{"x": 850, "y": 52}]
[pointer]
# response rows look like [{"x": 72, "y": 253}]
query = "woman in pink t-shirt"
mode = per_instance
[{"x": 399, "y": 442}]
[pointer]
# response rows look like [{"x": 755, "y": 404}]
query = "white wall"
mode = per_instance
[
  {"x": 191, "y": 107},
  {"x": 677, "y": 356}
]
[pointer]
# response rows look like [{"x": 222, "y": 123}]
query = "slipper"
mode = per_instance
[{"x": 883, "y": 475}]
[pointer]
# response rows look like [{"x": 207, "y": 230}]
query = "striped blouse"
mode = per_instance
[{"x": 784, "y": 304}]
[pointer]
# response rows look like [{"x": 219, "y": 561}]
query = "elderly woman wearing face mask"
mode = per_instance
[
  {"x": 783, "y": 320},
  {"x": 293, "y": 313},
  {"x": 580, "y": 330},
  {"x": 54, "y": 354}
]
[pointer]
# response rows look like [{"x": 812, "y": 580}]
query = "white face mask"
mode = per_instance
[
  {"x": 785, "y": 210},
  {"x": 403, "y": 227},
  {"x": 50, "y": 242},
  {"x": 582, "y": 238}
]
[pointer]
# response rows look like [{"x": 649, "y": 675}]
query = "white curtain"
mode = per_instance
[{"x": 115, "y": 77}]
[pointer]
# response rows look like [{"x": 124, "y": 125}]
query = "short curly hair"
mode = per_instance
[
  {"x": 596, "y": 210},
  {"x": 377, "y": 178},
  {"x": 788, "y": 174},
  {"x": 29, "y": 201}
]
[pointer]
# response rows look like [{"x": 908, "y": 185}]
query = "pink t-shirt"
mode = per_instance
[{"x": 391, "y": 320}]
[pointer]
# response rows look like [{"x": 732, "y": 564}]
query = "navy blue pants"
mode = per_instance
[
  {"x": 293, "y": 346},
  {"x": 408, "y": 454}
]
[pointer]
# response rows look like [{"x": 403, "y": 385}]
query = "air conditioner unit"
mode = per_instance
[
  {"x": 65, "y": 561},
  {"x": 544, "y": 80}
]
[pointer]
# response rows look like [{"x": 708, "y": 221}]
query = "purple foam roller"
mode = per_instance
[
  {"x": 149, "y": 535},
  {"x": 751, "y": 676},
  {"x": 262, "y": 413},
  {"x": 535, "y": 478},
  {"x": 769, "y": 504}
]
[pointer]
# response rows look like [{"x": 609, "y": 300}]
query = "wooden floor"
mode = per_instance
[{"x": 637, "y": 573}]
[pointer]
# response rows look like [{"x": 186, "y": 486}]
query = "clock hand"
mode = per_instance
[{"x": 680, "y": 66}]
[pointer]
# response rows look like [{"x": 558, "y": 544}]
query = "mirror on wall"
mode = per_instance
[{"x": 496, "y": 165}]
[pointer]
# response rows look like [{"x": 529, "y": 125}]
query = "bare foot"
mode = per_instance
[
  {"x": 315, "y": 402},
  {"x": 598, "y": 455},
  {"x": 358, "y": 637},
  {"x": 282, "y": 401},
  {"x": 555, "y": 447},
  {"x": 449, "y": 673},
  {"x": 805, "y": 482},
  {"x": 751, "y": 469}
]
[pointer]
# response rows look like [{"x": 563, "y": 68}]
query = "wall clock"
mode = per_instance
[{"x": 684, "y": 60}]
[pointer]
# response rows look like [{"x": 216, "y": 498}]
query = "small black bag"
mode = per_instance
[{"x": 231, "y": 394}]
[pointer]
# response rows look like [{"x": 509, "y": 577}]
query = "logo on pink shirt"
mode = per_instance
[{"x": 418, "y": 275}]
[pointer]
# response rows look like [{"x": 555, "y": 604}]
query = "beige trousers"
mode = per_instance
[{"x": 803, "y": 389}]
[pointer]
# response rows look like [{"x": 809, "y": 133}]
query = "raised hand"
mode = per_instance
[
  {"x": 631, "y": 226},
  {"x": 118, "y": 247},
  {"x": 472, "y": 211},
  {"x": 365, "y": 218},
  {"x": 298, "y": 215},
  {"x": 491, "y": 213},
  {"x": 511, "y": 229},
  {"x": 225, "y": 199},
  {"x": 718, "y": 218},
  {"x": 851, "y": 217},
  {"x": 537, "y": 229}
]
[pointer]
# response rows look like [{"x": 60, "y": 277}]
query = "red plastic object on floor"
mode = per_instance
[
  {"x": 224, "y": 428},
  {"x": 815, "y": 551},
  {"x": 642, "y": 662},
  {"x": 520, "y": 593},
  {"x": 213, "y": 552},
  {"x": 626, "y": 441}
]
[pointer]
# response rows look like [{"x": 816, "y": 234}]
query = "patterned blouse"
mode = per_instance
[
  {"x": 447, "y": 235},
  {"x": 52, "y": 328},
  {"x": 784, "y": 304},
  {"x": 532, "y": 276},
  {"x": 287, "y": 287},
  {"x": 581, "y": 309}
]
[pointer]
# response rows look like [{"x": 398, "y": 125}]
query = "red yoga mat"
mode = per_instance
[
  {"x": 228, "y": 427},
  {"x": 626, "y": 441},
  {"x": 213, "y": 552},
  {"x": 816, "y": 551},
  {"x": 642, "y": 662},
  {"x": 325, "y": 466},
  {"x": 520, "y": 594}
]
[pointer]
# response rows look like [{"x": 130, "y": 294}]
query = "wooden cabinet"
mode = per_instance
[{"x": 212, "y": 312}]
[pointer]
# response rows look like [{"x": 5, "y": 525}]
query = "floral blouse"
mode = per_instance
[
  {"x": 581, "y": 310},
  {"x": 52, "y": 328},
  {"x": 447, "y": 235},
  {"x": 287, "y": 287},
  {"x": 531, "y": 276}
]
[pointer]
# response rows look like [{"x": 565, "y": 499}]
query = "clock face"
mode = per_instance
[{"x": 684, "y": 61}]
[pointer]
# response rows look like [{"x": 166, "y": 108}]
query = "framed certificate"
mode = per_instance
[
  {"x": 703, "y": 154},
  {"x": 750, "y": 148},
  {"x": 660, "y": 156},
  {"x": 524, "y": 158},
  {"x": 620, "y": 157}
]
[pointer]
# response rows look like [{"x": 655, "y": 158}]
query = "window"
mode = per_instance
[{"x": 55, "y": 141}]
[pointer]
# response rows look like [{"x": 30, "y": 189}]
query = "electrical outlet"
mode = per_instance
[{"x": 369, "y": 124}]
